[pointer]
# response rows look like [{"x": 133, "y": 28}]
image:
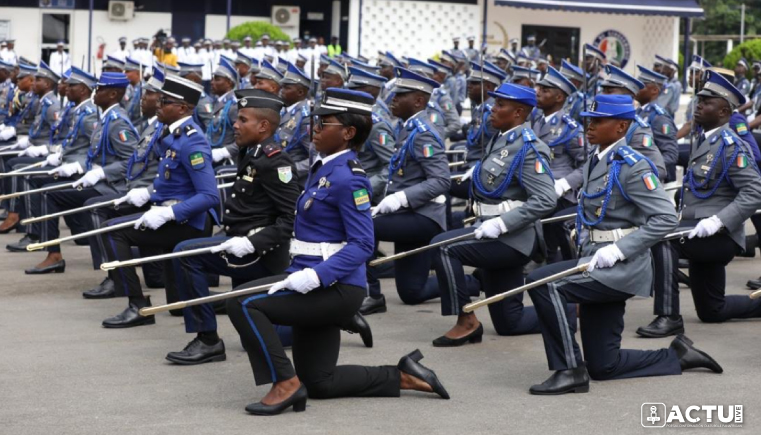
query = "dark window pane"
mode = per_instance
[
  {"x": 55, "y": 27},
  {"x": 560, "y": 42}
]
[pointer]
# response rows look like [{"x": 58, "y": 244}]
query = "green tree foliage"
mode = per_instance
[
  {"x": 723, "y": 18},
  {"x": 750, "y": 50},
  {"x": 255, "y": 29}
]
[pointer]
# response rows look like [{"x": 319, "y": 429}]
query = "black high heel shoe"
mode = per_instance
[
  {"x": 474, "y": 337},
  {"x": 298, "y": 400},
  {"x": 410, "y": 364}
]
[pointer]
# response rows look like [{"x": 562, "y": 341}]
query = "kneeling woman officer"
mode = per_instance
[{"x": 326, "y": 286}]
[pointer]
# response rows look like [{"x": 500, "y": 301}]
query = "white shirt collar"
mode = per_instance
[
  {"x": 80, "y": 104},
  {"x": 224, "y": 97},
  {"x": 601, "y": 154},
  {"x": 326, "y": 159},
  {"x": 292, "y": 106},
  {"x": 152, "y": 119},
  {"x": 512, "y": 129},
  {"x": 711, "y": 132},
  {"x": 178, "y": 123},
  {"x": 549, "y": 117},
  {"x": 105, "y": 112}
]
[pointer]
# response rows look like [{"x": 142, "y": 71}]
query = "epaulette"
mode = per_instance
[
  {"x": 529, "y": 135},
  {"x": 114, "y": 115},
  {"x": 488, "y": 107},
  {"x": 356, "y": 167},
  {"x": 305, "y": 110},
  {"x": 376, "y": 118},
  {"x": 442, "y": 91},
  {"x": 431, "y": 104},
  {"x": 190, "y": 130},
  {"x": 630, "y": 156},
  {"x": 272, "y": 149},
  {"x": 89, "y": 110},
  {"x": 659, "y": 109},
  {"x": 420, "y": 125},
  {"x": 570, "y": 121},
  {"x": 46, "y": 101},
  {"x": 727, "y": 137},
  {"x": 642, "y": 123}
]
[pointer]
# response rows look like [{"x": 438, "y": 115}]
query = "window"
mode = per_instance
[
  {"x": 55, "y": 27},
  {"x": 559, "y": 42}
]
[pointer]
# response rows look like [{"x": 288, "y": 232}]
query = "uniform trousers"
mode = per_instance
[
  {"x": 457, "y": 190},
  {"x": 601, "y": 316},
  {"x": 118, "y": 248},
  {"x": 408, "y": 230},
  {"x": 557, "y": 236},
  {"x": 666, "y": 284},
  {"x": 315, "y": 318},
  {"x": 709, "y": 257},
  {"x": 501, "y": 270},
  {"x": 53, "y": 202},
  {"x": 17, "y": 184}
]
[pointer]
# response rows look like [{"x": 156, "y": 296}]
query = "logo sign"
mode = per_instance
[
  {"x": 615, "y": 46},
  {"x": 658, "y": 415},
  {"x": 653, "y": 414}
]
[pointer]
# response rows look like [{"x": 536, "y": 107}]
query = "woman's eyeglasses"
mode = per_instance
[{"x": 319, "y": 123}]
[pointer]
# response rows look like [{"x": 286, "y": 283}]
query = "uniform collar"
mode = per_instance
[
  {"x": 601, "y": 154},
  {"x": 152, "y": 120},
  {"x": 408, "y": 122},
  {"x": 105, "y": 112},
  {"x": 81, "y": 104},
  {"x": 550, "y": 117},
  {"x": 176, "y": 124},
  {"x": 48, "y": 94},
  {"x": 223, "y": 98},
  {"x": 327, "y": 159},
  {"x": 711, "y": 132},
  {"x": 511, "y": 130}
]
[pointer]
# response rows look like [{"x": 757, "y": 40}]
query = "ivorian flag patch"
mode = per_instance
[
  {"x": 539, "y": 167},
  {"x": 123, "y": 135},
  {"x": 383, "y": 139},
  {"x": 581, "y": 140},
  {"x": 208, "y": 108},
  {"x": 742, "y": 161},
  {"x": 651, "y": 181},
  {"x": 361, "y": 199},
  {"x": 427, "y": 150},
  {"x": 666, "y": 129},
  {"x": 647, "y": 141},
  {"x": 196, "y": 160},
  {"x": 434, "y": 117},
  {"x": 742, "y": 129}
]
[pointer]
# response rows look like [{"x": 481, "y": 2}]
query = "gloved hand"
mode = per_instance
[
  {"x": 35, "y": 151},
  {"x": 155, "y": 217},
  {"x": 219, "y": 154},
  {"x": 67, "y": 170},
  {"x": 9, "y": 132},
  {"x": 136, "y": 197},
  {"x": 391, "y": 203},
  {"x": 302, "y": 281},
  {"x": 706, "y": 227},
  {"x": 53, "y": 160},
  {"x": 561, "y": 187},
  {"x": 91, "y": 178},
  {"x": 238, "y": 246},
  {"x": 605, "y": 257},
  {"x": 467, "y": 175},
  {"x": 491, "y": 229}
]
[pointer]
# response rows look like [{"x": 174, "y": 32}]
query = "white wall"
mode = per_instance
[
  {"x": 25, "y": 29},
  {"x": 216, "y": 25},
  {"x": 647, "y": 35}
]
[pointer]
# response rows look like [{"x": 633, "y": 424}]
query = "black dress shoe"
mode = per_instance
[
  {"x": 564, "y": 381},
  {"x": 692, "y": 358},
  {"x": 21, "y": 245},
  {"x": 662, "y": 326},
  {"x": 410, "y": 364},
  {"x": 10, "y": 228},
  {"x": 104, "y": 290},
  {"x": 129, "y": 317},
  {"x": 754, "y": 284},
  {"x": 359, "y": 325},
  {"x": 57, "y": 267},
  {"x": 474, "y": 337},
  {"x": 298, "y": 400},
  {"x": 198, "y": 352},
  {"x": 373, "y": 305}
]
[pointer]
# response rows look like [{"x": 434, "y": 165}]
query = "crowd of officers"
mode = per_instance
[{"x": 139, "y": 161}]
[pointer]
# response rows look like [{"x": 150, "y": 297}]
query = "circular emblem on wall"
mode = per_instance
[{"x": 615, "y": 46}]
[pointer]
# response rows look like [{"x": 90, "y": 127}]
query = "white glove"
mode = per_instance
[
  {"x": 706, "y": 227},
  {"x": 391, "y": 203},
  {"x": 53, "y": 160},
  {"x": 35, "y": 151},
  {"x": 238, "y": 246},
  {"x": 9, "y": 132},
  {"x": 67, "y": 170},
  {"x": 155, "y": 217},
  {"x": 491, "y": 229},
  {"x": 561, "y": 187},
  {"x": 91, "y": 178},
  {"x": 136, "y": 197},
  {"x": 467, "y": 175},
  {"x": 302, "y": 281},
  {"x": 22, "y": 142},
  {"x": 219, "y": 154},
  {"x": 605, "y": 257}
]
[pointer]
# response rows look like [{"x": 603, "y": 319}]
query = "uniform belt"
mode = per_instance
[
  {"x": 170, "y": 202},
  {"x": 481, "y": 209},
  {"x": 599, "y": 236},
  {"x": 254, "y": 231},
  {"x": 441, "y": 199},
  {"x": 324, "y": 250}
]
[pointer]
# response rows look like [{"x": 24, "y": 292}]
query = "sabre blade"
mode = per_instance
[{"x": 149, "y": 311}]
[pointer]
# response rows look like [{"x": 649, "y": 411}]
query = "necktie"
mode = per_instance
[{"x": 593, "y": 163}]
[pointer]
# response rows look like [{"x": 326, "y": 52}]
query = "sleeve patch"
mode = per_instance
[
  {"x": 123, "y": 135},
  {"x": 647, "y": 141},
  {"x": 384, "y": 139},
  {"x": 428, "y": 150},
  {"x": 361, "y": 199},
  {"x": 666, "y": 129},
  {"x": 196, "y": 160},
  {"x": 651, "y": 181},
  {"x": 742, "y": 160},
  {"x": 741, "y": 129},
  {"x": 285, "y": 174}
]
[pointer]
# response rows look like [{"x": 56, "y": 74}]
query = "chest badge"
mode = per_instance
[
  {"x": 322, "y": 183},
  {"x": 308, "y": 204},
  {"x": 504, "y": 153},
  {"x": 250, "y": 172},
  {"x": 290, "y": 124}
]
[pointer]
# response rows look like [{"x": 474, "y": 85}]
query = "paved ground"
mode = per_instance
[{"x": 61, "y": 373}]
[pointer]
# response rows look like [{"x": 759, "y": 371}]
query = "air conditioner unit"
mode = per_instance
[
  {"x": 286, "y": 16},
  {"x": 121, "y": 10}
]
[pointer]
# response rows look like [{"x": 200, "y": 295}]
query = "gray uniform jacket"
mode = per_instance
[
  {"x": 7, "y": 90},
  {"x": 669, "y": 97},
  {"x": 533, "y": 186},
  {"x": 664, "y": 132},
  {"x": 648, "y": 208},
  {"x": 377, "y": 151},
  {"x": 420, "y": 169},
  {"x": 444, "y": 102},
  {"x": 293, "y": 136},
  {"x": 479, "y": 121},
  {"x": 219, "y": 131},
  {"x": 122, "y": 138},
  {"x": 82, "y": 122},
  {"x": 44, "y": 119},
  {"x": 131, "y": 101},
  {"x": 204, "y": 111},
  {"x": 27, "y": 111},
  {"x": 565, "y": 139},
  {"x": 142, "y": 169},
  {"x": 738, "y": 194}
]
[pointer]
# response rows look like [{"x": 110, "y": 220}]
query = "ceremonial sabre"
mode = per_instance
[
  {"x": 225, "y": 175},
  {"x": 149, "y": 311},
  {"x": 756, "y": 294},
  {"x": 40, "y": 190},
  {"x": 68, "y": 212},
  {"x": 24, "y": 174},
  {"x": 137, "y": 261},
  {"x": 38, "y": 246}
]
